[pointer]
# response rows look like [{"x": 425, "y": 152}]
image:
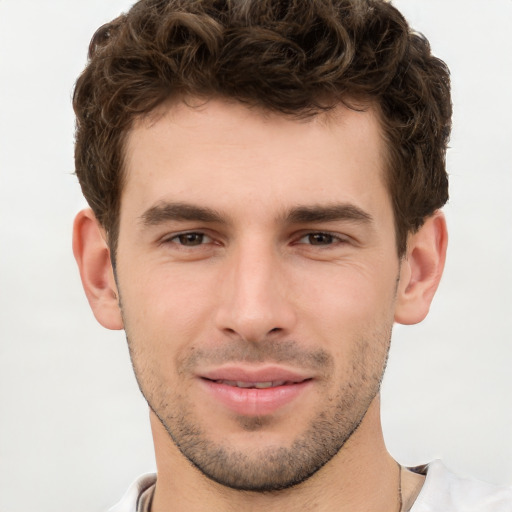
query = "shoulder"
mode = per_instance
[
  {"x": 130, "y": 501},
  {"x": 443, "y": 491}
]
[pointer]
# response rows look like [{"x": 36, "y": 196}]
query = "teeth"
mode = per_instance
[
  {"x": 264, "y": 385},
  {"x": 257, "y": 385},
  {"x": 241, "y": 384}
]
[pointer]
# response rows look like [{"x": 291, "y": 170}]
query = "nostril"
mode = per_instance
[{"x": 275, "y": 329}]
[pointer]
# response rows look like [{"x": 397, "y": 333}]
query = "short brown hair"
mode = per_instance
[{"x": 295, "y": 57}]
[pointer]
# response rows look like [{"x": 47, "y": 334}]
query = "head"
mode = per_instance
[
  {"x": 266, "y": 177},
  {"x": 295, "y": 58}
]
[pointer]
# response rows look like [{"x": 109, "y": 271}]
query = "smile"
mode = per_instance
[
  {"x": 255, "y": 385},
  {"x": 249, "y": 392}
]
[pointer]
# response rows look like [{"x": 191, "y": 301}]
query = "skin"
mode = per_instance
[{"x": 257, "y": 241}]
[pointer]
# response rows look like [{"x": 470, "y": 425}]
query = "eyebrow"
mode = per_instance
[
  {"x": 171, "y": 211},
  {"x": 329, "y": 213},
  {"x": 164, "y": 212}
]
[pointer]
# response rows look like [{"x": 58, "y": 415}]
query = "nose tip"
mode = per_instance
[
  {"x": 255, "y": 314},
  {"x": 252, "y": 330}
]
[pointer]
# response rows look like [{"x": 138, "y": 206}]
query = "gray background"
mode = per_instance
[{"x": 73, "y": 427}]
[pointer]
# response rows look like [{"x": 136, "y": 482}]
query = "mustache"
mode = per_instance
[{"x": 267, "y": 351}]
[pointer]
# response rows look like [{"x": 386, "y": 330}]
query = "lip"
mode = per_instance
[{"x": 281, "y": 387}]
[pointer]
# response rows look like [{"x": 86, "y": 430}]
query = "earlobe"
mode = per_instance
[
  {"x": 93, "y": 257},
  {"x": 421, "y": 270}
]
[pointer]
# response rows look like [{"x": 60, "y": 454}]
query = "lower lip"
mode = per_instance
[{"x": 252, "y": 401}]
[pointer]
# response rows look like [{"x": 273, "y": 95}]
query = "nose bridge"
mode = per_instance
[{"x": 254, "y": 298}]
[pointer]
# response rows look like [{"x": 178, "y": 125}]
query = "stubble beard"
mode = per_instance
[{"x": 273, "y": 468}]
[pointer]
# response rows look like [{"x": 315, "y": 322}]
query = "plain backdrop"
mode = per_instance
[{"x": 74, "y": 429}]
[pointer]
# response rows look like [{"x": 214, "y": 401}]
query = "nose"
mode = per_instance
[{"x": 254, "y": 299}]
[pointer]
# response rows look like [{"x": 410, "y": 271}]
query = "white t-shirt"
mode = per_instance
[{"x": 442, "y": 491}]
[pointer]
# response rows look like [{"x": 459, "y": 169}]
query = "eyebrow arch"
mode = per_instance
[
  {"x": 164, "y": 211},
  {"x": 330, "y": 213}
]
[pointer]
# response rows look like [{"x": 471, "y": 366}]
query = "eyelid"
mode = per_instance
[
  {"x": 172, "y": 237},
  {"x": 337, "y": 237}
]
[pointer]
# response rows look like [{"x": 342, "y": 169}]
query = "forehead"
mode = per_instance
[{"x": 209, "y": 150}]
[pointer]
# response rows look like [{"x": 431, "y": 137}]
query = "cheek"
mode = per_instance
[
  {"x": 351, "y": 314},
  {"x": 165, "y": 312},
  {"x": 354, "y": 296}
]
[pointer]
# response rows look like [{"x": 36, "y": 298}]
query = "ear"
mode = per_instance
[
  {"x": 421, "y": 270},
  {"x": 93, "y": 257}
]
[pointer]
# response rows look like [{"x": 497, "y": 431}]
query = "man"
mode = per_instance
[{"x": 265, "y": 180}]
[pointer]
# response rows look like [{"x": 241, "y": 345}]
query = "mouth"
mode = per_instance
[
  {"x": 255, "y": 392},
  {"x": 257, "y": 385}
]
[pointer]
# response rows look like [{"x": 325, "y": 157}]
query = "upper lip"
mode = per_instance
[{"x": 254, "y": 374}]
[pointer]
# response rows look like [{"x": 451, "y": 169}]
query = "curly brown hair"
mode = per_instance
[{"x": 294, "y": 57}]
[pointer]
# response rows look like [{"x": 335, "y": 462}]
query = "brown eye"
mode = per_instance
[
  {"x": 190, "y": 239},
  {"x": 320, "y": 239}
]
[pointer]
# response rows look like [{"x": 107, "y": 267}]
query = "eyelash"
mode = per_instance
[
  {"x": 332, "y": 239},
  {"x": 178, "y": 239}
]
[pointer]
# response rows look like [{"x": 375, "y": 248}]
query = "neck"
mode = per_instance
[{"x": 362, "y": 476}]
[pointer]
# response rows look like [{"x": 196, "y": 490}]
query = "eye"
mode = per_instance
[
  {"x": 319, "y": 239},
  {"x": 191, "y": 239}
]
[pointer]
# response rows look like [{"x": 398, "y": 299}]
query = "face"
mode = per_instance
[{"x": 257, "y": 273}]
